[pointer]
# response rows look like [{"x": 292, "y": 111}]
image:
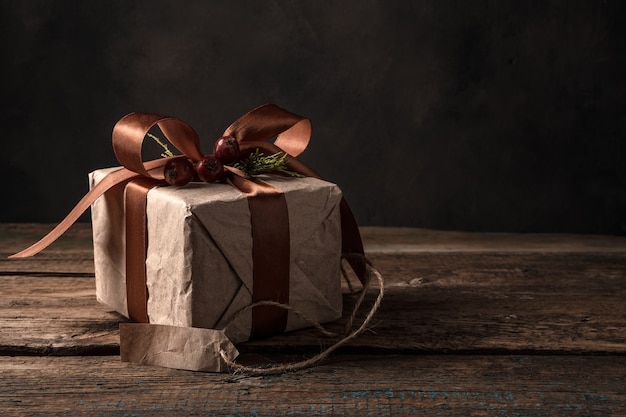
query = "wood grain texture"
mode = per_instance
[
  {"x": 449, "y": 302},
  {"x": 406, "y": 239},
  {"x": 460, "y": 302},
  {"x": 471, "y": 325},
  {"x": 17, "y": 236},
  {"x": 349, "y": 385}
]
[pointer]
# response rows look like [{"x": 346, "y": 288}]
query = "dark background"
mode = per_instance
[{"x": 467, "y": 115}]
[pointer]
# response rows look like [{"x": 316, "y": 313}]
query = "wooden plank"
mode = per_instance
[
  {"x": 17, "y": 236},
  {"x": 463, "y": 302},
  {"x": 564, "y": 301},
  {"x": 369, "y": 385},
  {"x": 49, "y": 264},
  {"x": 447, "y": 293},
  {"x": 71, "y": 255},
  {"x": 55, "y": 315},
  {"x": 435, "y": 302},
  {"x": 405, "y": 239}
]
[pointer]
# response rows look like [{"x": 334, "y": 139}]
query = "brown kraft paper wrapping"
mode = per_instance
[
  {"x": 187, "y": 348},
  {"x": 199, "y": 257}
]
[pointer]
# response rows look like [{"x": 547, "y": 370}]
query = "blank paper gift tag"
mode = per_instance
[{"x": 189, "y": 348}]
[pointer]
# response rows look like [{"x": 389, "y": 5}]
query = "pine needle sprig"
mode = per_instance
[
  {"x": 166, "y": 153},
  {"x": 258, "y": 163}
]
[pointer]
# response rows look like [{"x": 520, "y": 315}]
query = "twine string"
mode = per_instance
[{"x": 371, "y": 275}]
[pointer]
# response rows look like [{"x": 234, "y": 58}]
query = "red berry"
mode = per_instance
[
  {"x": 178, "y": 171},
  {"x": 209, "y": 169},
  {"x": 226, "y": 149}
]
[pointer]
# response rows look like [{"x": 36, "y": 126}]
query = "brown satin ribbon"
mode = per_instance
[
  {"x": 135, "y": 197},
  {"x": 252, "y": 131},
  {"x": 270, "y": 254}
]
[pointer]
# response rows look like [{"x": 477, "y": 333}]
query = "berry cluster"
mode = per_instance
[{"x": 179, "y": 171}]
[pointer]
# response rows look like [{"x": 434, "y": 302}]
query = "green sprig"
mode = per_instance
[
  {"x": 258, "y": 163},
  {"x": 167, "y": 153}
]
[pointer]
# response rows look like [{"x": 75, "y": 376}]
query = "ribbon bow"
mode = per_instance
[{"x": 267, "y": 205}]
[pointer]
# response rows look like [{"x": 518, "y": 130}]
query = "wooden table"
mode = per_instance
[{"x": 471, "y": 324}]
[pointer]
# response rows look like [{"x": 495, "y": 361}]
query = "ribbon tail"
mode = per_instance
[{"x": 108, "y": 182}]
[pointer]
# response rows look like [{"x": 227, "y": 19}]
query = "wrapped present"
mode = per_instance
[
  {"x": 199, "y": 268},
  {"x": 234, "y": 260}
]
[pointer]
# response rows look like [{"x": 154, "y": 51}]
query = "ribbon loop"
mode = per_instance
[
  {"x": 292, "y": 132},
  {"x": 130, "y": 132},
  {"x": 182, "y": 136}
]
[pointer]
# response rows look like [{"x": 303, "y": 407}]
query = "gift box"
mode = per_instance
[
  {"x": 199, "y": 262},
  {"x": 205, "y": 265}
]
